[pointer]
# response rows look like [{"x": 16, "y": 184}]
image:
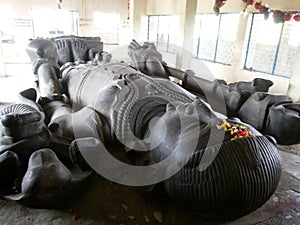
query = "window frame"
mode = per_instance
[
  {"x": 156, "y": 42},
  {"x": 54, "y": 29},
  {"x": 197, "y": 51},
  {"x": 277, "y": 51},
  {"x": 109, "y": 36}
]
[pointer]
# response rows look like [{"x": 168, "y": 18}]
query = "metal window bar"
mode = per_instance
[
  {"x": 277, "y": 50},
  {"x": 198, "y": 46},
  {"x": 168, "y": 43},
  {"x": 157, "y": 30},
  {"x": 248, "y": 42},
  {"x": 148, "y": 30},
  {"x": 218, "y": 36}
]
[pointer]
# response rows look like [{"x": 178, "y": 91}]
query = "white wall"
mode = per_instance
[
  {"x": 212, "y": 71},
  {"x": 140, "y": 19},
  {"x": 85, "y": 9},
  {"x": 163, "y": 7}
]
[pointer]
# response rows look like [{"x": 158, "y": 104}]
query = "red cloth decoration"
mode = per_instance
[
  {"x": 278, "y": 15},
  {"x": 297, "y": 17},
  {"x": 218, "y": 5}
]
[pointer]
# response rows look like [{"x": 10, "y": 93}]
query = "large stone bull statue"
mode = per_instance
[{"x": 213, "y": 163}]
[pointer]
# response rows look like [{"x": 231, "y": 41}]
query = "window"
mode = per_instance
[
  {"x": 214, "y": 37},
  {"x": 106, "y": 25},
  {"x": 52, "y": 23},
  {"x": 162, "y": 31},
  {"x": 272, "y": 47},
  {"x": 14, "y": 35}
]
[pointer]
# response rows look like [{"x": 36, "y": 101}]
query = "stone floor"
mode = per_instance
[
  {"x": 107, "y": 203},
  {"x": 11, "y": 85}
]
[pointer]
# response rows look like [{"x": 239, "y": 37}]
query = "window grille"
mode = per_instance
[
  {"x": 214, "y": 37},
  {"x": 106, "y": 25},
  {"x": 109, "y": 38},
  {"x": 51, "y": 23},
  {"x": 162, "y": 31},
  {"x": 272, "y": 47}
]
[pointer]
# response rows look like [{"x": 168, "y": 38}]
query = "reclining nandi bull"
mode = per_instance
[{"x": 216, "y": 165}]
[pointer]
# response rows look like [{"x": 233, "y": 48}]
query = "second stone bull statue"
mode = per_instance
[{"x": 216, "y": 165}]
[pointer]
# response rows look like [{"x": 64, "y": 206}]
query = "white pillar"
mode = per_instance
[
  {"x": 2, "y": 64},
  {"x": 185, "y": 37},
  {"x": 238, "y": 58},
  {"x": 294, "y": 86},
  {"x": 140, "y": 19}
]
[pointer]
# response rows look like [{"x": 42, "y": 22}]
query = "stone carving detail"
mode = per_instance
[{"x": 176, "y": 134}]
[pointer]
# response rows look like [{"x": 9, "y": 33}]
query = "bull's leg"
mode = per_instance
[
  {"x": 147, "y": 59},
  {"x": 79, "y": 50},
  {"x": 64, "y": 51},
  {"x": 43, "y": 54}
]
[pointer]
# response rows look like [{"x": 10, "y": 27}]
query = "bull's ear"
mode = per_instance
[{"x": 29, "y": 94}]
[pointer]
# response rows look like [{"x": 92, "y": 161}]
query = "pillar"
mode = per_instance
[
  {"x": 238, "y": 59},
  {"x": 2, "y": 64},
  {"x": 140, "y": 19},
  {"x": 293, "y": 91},
  {"x": 185, "y": 37}
]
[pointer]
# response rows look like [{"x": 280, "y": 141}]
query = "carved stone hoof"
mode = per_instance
[
  {"x": 260, "y": 84},
  {"x": 77, "y": 157},
  {"x": 255, "y": 109},
  {"x": 46, "y": 181},
  {"x": 64, "y": 51},
  {"x": 283, "y": 123},
  {"x": 9, "y": 166}
]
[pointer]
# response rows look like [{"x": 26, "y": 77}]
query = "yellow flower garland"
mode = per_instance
[{"x": 236, "y": 130}]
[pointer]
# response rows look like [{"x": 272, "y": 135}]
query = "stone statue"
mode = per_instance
[{"x": 215, "y": 164}]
